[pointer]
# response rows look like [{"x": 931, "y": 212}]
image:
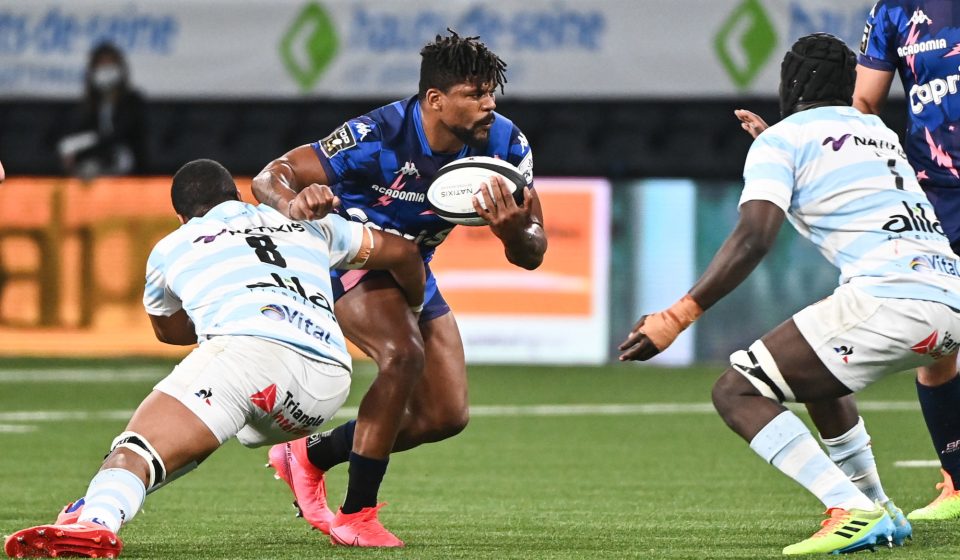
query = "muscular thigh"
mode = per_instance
[
  {"x": 374, "y": 315},
  {"x": 444, "y": 381}
]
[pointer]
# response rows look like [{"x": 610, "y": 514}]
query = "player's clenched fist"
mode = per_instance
[{"x": 312, "y": 203}]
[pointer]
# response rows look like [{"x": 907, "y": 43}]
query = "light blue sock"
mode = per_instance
[
  {"x": 853, "y": 454},
  {"x": 788, "y": 445},
  {"x": 113, "y": 498}
]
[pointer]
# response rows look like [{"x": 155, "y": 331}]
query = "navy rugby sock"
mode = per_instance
[
  {"x": 331, "y": 448},
  {"x": 366, "y": 474},
  {"x": 941, "y": 411}
]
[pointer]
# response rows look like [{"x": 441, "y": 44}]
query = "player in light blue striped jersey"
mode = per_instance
[
  {"x": 842, "y": 179},
  {"x": 253, "y": 287}
]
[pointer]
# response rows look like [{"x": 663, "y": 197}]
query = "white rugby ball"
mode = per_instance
[{"x": 452, "y": 190}]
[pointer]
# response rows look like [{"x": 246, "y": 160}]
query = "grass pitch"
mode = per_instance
[{"x": 521, "y": 482}]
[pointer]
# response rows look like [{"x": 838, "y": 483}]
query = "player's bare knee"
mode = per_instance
[
  {"x": 406, "y": 359},
  {"x": 728, "y": 388},
  {"x": 451, "y": 422},
  {"x": 127, "y": 460}
]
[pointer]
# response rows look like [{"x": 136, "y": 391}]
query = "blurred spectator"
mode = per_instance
[{"x": 107, "y": 135}]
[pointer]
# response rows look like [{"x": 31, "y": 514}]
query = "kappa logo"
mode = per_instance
[
  {"x": 362, "y": 129},
  {"x": 265, "y": 399},
  {"x": 919, "y": 18},
  {"x": 836, "y": 143},
  {"x": 524, "y": 143},
  {"x": 206, "y": 395},
  {"x": 409, "y": 170},
  {"x": 845, "y": 352}
]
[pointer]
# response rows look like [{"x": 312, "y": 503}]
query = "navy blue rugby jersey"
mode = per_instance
[
  {"x": 380, "y": 165},
  {"x": 921, "y": 39}
]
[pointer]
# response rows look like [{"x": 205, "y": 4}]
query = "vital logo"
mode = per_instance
[
  {"x": 745, "y": 42},
  {"x": 845, "y": 352},
  {"x": 293, "y": 284},
  {"x": 835, "y": 143},
  {"x": 913, "y": 220},
  {"x": 265, "y": 399},
  {"x": 308, "y": 47},
  {"x": 297, "y": 319},
  {"x": 935, "y": 263},
  {"x": 205, "y": 394}
]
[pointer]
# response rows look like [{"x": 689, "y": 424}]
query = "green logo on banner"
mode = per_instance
[
  {"x": 745, "y": 42},
  {"x": 309, "y": 45}
]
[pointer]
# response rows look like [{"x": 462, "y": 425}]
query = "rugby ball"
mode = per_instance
[{"x": 451, "y": 193}]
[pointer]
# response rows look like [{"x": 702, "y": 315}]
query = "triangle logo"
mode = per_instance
[{"x": 265, "y": 399}]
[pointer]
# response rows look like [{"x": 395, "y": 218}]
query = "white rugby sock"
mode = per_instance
[
  {"x": 787, "y": 444},
  {"x": 853, "y": 454},
  {"x": 113, "y": 498}
]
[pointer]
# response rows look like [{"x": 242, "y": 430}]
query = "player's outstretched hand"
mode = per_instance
[
  {"x": 751, "y": 122},
  {"x": 312, "y": 203},
  {"x": 638, "y": 345},
  {"x": 505, "y": 217}
]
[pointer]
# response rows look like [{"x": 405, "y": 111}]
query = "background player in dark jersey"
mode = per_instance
[
  {"x": 920, "y": 39},
  {"x": 379, "y": 166}
]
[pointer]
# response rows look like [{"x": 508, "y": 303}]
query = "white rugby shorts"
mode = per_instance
[
  {"x": 260, "y": 391},
  {"x": 861, "y": 338}
]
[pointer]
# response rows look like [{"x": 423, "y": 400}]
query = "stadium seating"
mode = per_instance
[{"x": 618, "y": 139}]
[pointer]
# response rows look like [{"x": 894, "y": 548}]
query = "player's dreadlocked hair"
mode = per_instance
[
  {"x": 818, "y": 69},
  {"x": 453, "y": 60},
  {"x": 200, "y": 185}
]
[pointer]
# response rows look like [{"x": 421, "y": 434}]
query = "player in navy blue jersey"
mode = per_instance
[
  {"x": 380, "y": 166},
  {"x": 920, "y": 39}
]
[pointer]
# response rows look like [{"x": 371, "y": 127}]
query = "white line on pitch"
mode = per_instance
[
  {"x": 477, "y": 411},
  {"x": 916, "y": 464},
  {"x": 16, "y": 428},
  {"x": 82, "y": 375}
]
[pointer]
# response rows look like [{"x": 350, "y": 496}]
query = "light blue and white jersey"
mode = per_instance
[
  {"x": 247, "y": 270},
  {"x": 844, "y": 182}
]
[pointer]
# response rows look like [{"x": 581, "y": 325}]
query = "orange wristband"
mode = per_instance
[{"x": 663, "y": 327}]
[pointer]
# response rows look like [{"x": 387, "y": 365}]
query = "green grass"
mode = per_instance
[{"x": 617, "y": 486}]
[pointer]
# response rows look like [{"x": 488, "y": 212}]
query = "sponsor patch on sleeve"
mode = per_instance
[
  {"x": 339, "y": 140},
  {"x": 526, "y": 167},
  {"x": 865, "y": 40}
]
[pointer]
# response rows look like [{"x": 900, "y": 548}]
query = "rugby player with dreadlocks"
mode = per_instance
[
  {"x": 843, "y": 180},
  {"x": 375, "y": 169}
]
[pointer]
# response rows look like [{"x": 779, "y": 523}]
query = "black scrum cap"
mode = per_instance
[{"x": 818, "y": 68}]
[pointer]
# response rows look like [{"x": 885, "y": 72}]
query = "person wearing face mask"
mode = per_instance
[{"x": 108, "y": 134}]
